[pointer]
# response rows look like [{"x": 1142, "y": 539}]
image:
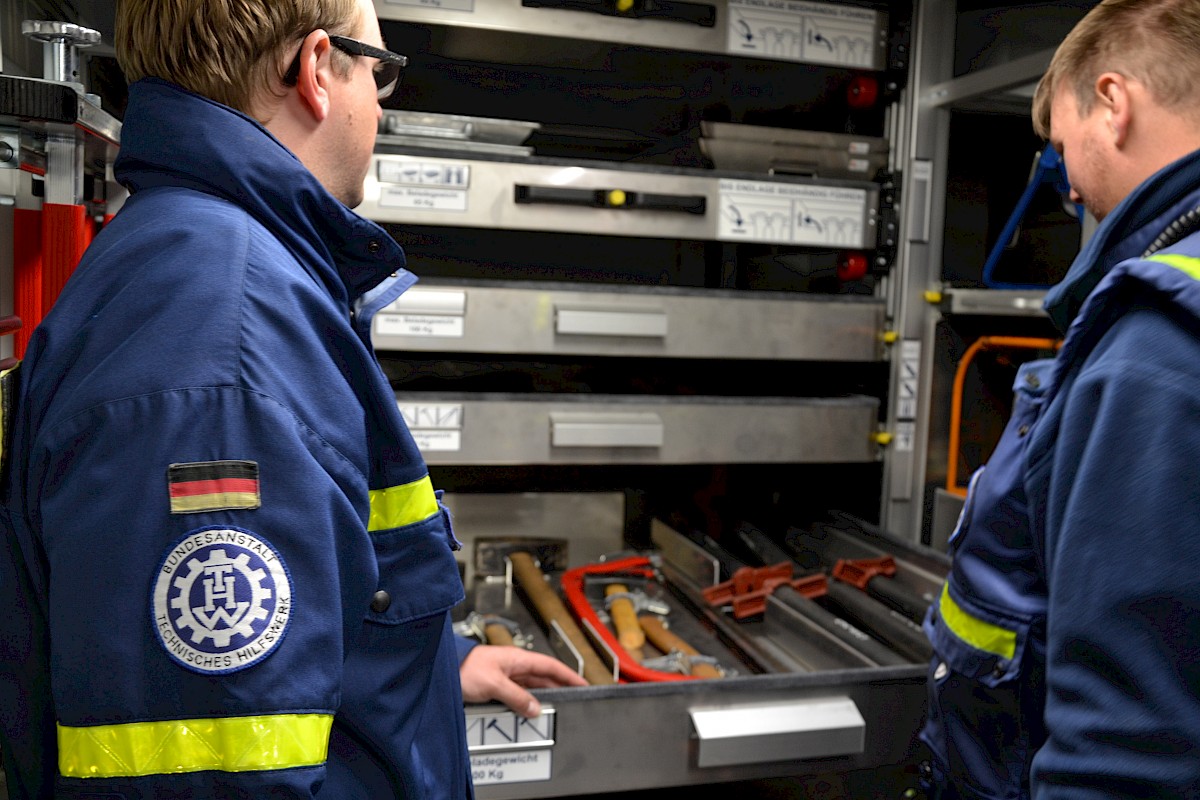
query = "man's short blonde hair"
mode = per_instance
[
  {"x": 1156, "y": 42},
  {"x": 231, "y": 51}
]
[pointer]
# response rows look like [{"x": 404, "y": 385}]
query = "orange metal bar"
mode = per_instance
[
  {"x": 47, "y": 246},
  {"x": 960, "y": 376}
]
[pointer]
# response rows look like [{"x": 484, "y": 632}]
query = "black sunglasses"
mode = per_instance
[{"x": 386, "y": 72}]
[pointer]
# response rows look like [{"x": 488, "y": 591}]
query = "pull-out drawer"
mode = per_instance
[
  {"x": 807, "y": 32},
  {"x": 538, "y": 194},
  {"x": 487, "y": 428},
  {"x": 774, "y": 710},
  {"x": 546, "y": 319}
]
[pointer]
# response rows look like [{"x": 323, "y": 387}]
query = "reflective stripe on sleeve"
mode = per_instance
[
  {"x": 974, "y": 631},
  {"x": 230, "y": 744},
  {"x": 397, "y": 506},
  {"x": 1186, "y": 264}
]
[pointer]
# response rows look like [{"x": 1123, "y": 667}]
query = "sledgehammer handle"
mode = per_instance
[{"x": 533, "y": 582}]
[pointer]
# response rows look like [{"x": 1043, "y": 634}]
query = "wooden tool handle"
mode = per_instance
[
  {"x": 497, "y": 634},
  {"x": 624, "y": 618},
  {"x": 533, "y": 582},
  {"x": 666, "y": 641}
]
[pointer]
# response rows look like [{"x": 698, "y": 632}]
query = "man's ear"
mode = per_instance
[
  {"x": 1112, "y": 95},
  {"x": 316, "y": 74}
]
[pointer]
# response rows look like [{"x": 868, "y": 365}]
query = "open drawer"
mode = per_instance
[{"x": 790, "y": 699}]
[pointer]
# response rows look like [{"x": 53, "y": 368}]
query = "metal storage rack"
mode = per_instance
[
  {"x": 939, "y": 303},
  {"x": 594, "y": 330}
]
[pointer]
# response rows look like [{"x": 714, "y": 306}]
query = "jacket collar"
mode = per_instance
[
  {"x": 1126, "y": 233},
  {"x": 172, "y": 137}
]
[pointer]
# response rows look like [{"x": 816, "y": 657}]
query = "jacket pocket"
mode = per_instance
[
  {"x": 418, "y": 575},
  {"x": 977, "y": 726}
]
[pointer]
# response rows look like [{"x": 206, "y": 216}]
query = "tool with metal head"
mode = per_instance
[{"x": 529, "y": 577}]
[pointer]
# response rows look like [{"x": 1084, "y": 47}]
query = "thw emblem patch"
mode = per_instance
[{"x": 222, "y": 600}]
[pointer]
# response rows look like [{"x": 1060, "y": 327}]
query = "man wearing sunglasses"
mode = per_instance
[{"x": 224, "y": 568}]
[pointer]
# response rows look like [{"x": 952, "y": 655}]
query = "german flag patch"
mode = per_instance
[{"x": 213, "y": 486}]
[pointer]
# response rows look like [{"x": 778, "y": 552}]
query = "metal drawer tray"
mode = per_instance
[
  {"x": 808, "y": 32},
  {"x": 479, "y": 317},
  {"x": 495, "y": 428},
  {"x": 619, "y": 200},
  {"x": 775, "y": 719}
]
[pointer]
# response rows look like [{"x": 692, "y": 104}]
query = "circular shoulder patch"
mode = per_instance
[{"x": 222, "y": 600}]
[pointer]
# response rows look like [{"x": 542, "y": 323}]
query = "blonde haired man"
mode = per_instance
[
  {"x": 226, "y": 571},
  {"x": 1068, "y": 633}
]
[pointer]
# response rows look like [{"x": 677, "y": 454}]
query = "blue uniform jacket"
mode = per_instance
[
  {"x": 224, "y": 569},
  {"x": 1067, "y": 636}
]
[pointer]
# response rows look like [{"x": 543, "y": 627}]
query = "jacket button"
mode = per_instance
[
  {"x": 381, "y": 601},
  {"x": 373, "y": 246},
  {"x": 1021, "y": 431}
]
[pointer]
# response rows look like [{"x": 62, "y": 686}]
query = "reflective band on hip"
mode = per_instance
[
  {"x": 1186, "y": 264},
  {"x": 230, "y": 744},
  {"x": 974, "y": 631},
  {"x": 397, "y": 506}
]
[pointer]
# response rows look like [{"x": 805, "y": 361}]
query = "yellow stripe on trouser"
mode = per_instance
[
  {"x": 974, "y": 631},
  {"x": 1185, "y": 264},
  {"x": 397, "y": 506},
  {"x": 231, "y": 744}
]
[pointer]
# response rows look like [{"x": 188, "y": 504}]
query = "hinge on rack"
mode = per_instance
[{"x": 888, "y": 230}]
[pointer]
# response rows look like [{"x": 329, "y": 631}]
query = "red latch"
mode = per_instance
[
  {"x": 860, "y": 571},
  {"x": 748, "y": 589}
]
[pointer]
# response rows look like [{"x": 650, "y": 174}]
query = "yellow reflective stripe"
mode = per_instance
[
  {"x": 231, "y": 744},
  {"x": 974, "y": 631},
  {"x": 397, "y": 506},
  {"x": 1185, "y": 264}
]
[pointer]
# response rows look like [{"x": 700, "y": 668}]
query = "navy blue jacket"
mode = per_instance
[
  {"x": 1067, "y": 637},
  {"x": 228, "y": 573}
]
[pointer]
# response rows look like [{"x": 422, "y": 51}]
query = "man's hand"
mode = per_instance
[{"x": 501, "y": 672}]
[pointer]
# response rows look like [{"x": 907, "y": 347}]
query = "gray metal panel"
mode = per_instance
[
  {"x": 465, "y": 192},
  {"x": 761, "y": 732},
  {"x": 808, "y": 32},
  {"x": 640, "y": 736},
  {"x": 696, "y": 324},
  {"x": 518, "y": 429}
]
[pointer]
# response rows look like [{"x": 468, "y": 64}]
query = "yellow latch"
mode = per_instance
[
  {"x": 615, "y": 198},
  {"x": 889, "y": 337},
  {"x": 624, "y": 5},
  {"x": 882, "y": 438},
  {"x": 933, "y": 296}
]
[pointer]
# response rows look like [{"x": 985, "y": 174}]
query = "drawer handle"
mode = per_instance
[
  {"x": 693, "y": 13},
  {"x": 617, "y": 199},
  {"x": 760, "y": 732},
  {"x": 616, "y": 429},
  {"x": 614, "y": 322}
]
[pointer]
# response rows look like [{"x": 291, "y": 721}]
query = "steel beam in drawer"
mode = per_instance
[
  {"x": 803, "y": 32},
  {"x": 646, "y": 322},
  {"x": 576, "y": 197},
  {"x": 472, "y": 429}
]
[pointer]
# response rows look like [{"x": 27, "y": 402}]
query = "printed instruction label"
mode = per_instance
[
  {"x": 506, "y": 748},
  {"x": 909, "y": 379},
  {"x": 423, "y": 199},
  {"x": 419, "y": 325},
  {"x": 761, "y": 211},
  {"x": 808, "y": 32},
  {"x": 511, "y": 767},
  {"x": 436, "y": 427}
]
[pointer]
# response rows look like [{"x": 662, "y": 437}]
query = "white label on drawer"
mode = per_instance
[
  {"x": 437, "y": 441},
  {"x": 432, "y": 415},
  {"x": 419, "y": 325},
  {"x": 511, "y": 767},
  {"x": 424, "y": 199},
  {"x": 449, "y": 5},
  {"x": 796, "y": 31},
  {"x": 760, "y": 211},
  {"x": 434, "y": 173}
]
